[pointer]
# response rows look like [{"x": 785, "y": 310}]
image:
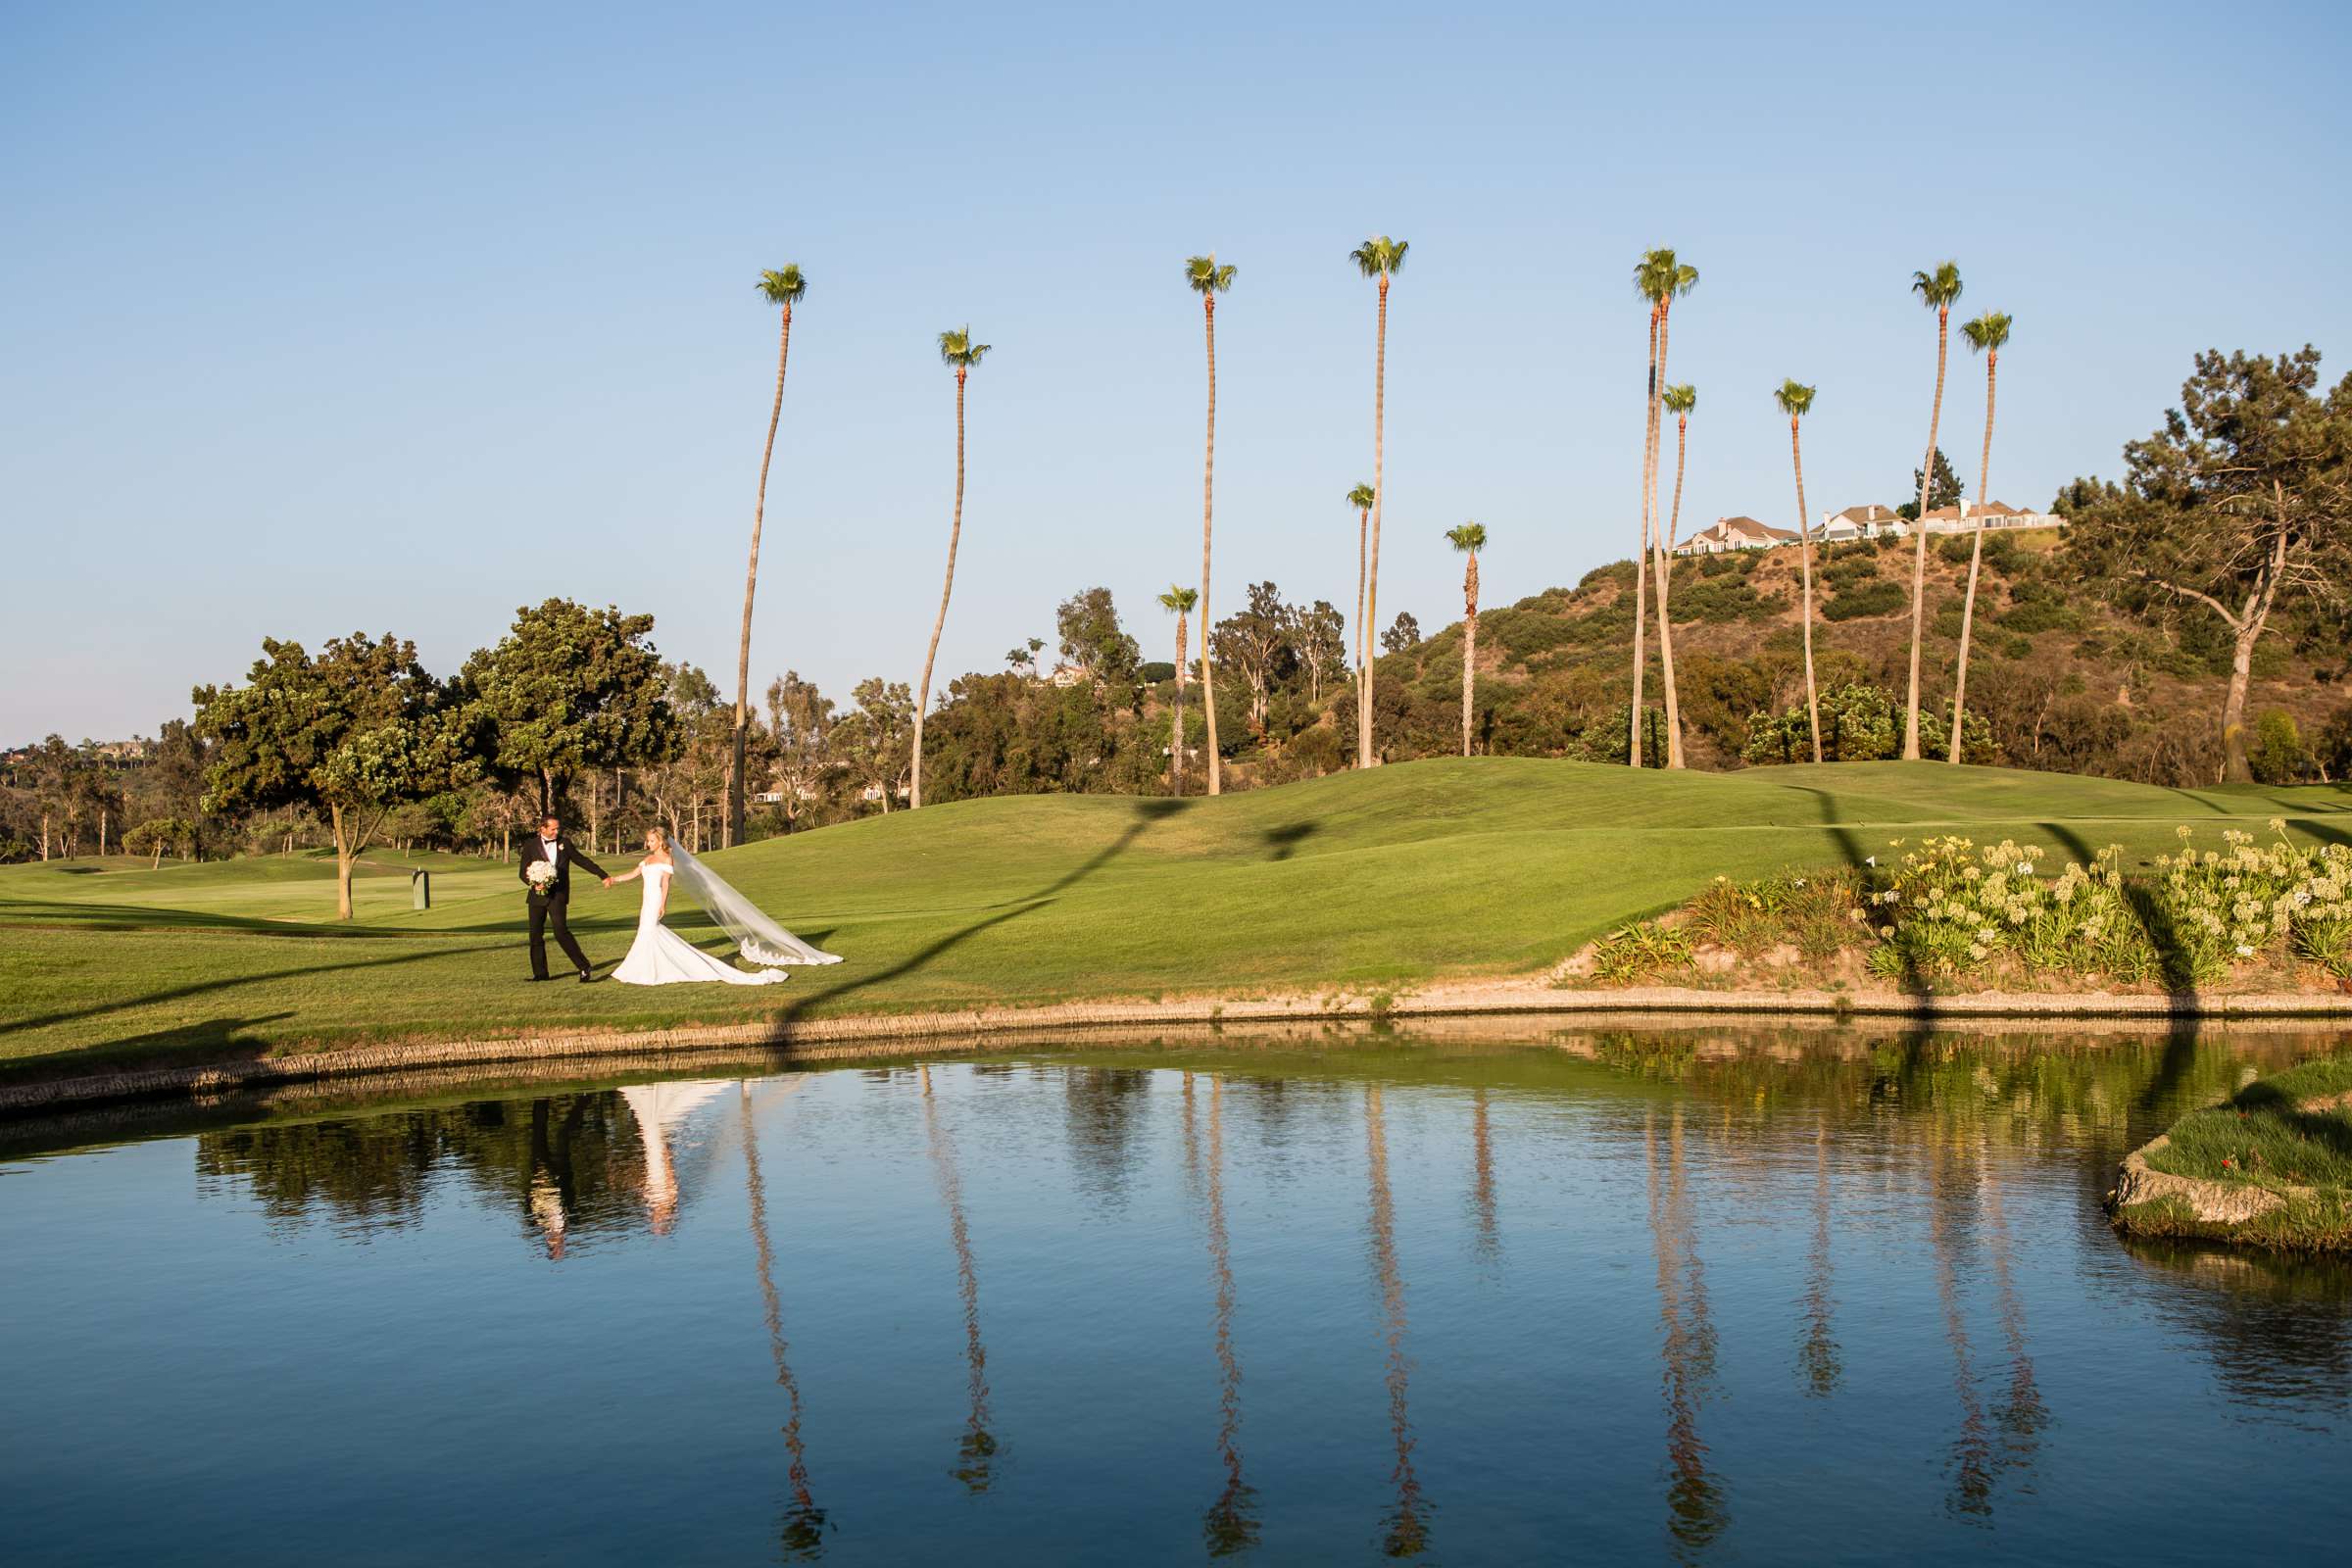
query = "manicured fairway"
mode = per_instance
[{"x": 1362, "y": 880}]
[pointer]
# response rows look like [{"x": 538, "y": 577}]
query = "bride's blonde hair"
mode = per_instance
[{"x": 655, "y": 835}]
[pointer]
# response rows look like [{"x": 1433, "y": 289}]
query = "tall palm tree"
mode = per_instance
[
  {"x": 1179, "y": 601},
  {"x": 1380, "y": 259},
  {"x": 1208, "y": 280},
  {"x": 1470, "y": 538},
  {"x": 1679, "y": 401},
  {"x": 1797, "y": 401},
  {"x": 1939, "y": 291},
  {"x": 1987, "y": 335},
  {"x": 959, "y": 353},
  {"x": 1360, "y": 498},
  {"x": 1660, "y": 278},
  {"x": 782, "y": 286}
]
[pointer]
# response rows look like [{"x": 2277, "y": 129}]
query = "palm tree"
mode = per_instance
[
  {"x": 959, "y": 353},
  {"x": 1939, "y": 291},
  {"x": 1658, "y": 277},
  {"x": 1797, "y": 401},
  {"x": 1680, "y": 400},
  {"x": 1470, "y": 538},
  {"x": 1178, "y": 600},
  {"x": 783, "y": 286},
  {"x": 1380, "y": 259},
  {"x": 1987, "y": 335},
  {"x": 1208, "y": 280},
  {"x": 1360, "y": 498}
]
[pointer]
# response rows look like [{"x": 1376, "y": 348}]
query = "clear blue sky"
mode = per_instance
[{"x": 317, "y": 318}]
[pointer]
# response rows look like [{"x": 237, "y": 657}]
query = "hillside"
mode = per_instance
[
  {"x": 2066, "y": 680},
  {"x": 1363, "y": 880}
]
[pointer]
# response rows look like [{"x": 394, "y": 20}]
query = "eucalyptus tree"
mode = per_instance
[
  {"x": 959, "y": 353},
  {"x": 1208, "y": 280},
  {"x": 1380, "y": 259},
  {"x": 1939, "y": 291},
  {"x": 1986, "y": 335},
  {"x": 1470, "y": 538},
  {"x": 1660, "y": 278},
  {"x": 1360, "y": 498},
  {"x": 1179, "y": 602},
  {"x": 782, "y": 286},
  {"x": 1797, "y": 401}
]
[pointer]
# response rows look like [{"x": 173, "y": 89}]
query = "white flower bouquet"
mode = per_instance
[{"x": 540, "y": 874}]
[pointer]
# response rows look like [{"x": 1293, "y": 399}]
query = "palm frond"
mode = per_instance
[
  {"x": 1938, "y": 290},
  {"x": 1180, "y": 599},
  {"x": 1380, "y": 256},
  {"x": 1794, "y": 398},
  {"x": 957, "y": 351},
  {"x": 1987, "y": 333},
  {"x": 1470, "y": 537},
  {"x": 1659, "y": 276},
  {"x": 1206, "y": 276},
  {"x": 783, "y": 285},
  {"x": 1362, "y": 498},
  {"x": 1681, "y": 399}
]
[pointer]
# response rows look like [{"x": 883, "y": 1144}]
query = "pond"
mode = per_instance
[{"x": 1452, "y": 1294}]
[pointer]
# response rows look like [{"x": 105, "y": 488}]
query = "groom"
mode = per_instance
[{"x": 552, "y": 903}]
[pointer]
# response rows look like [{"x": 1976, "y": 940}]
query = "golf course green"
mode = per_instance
[{"x": 1362, "y": 880}]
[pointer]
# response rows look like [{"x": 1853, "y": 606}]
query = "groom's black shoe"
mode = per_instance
[{"x": 586, "y": 978}]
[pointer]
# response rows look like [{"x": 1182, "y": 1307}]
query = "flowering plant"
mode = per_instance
[{"x": 541, "y": 874}]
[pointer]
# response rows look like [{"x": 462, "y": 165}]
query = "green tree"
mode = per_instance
[
  {"x": 801, "y": 725},
  {"x": 1380, "y": 259},
  {"x": 782, "y": 288},
  {"x": 2242, "y": 501},
  {"x": 1404, "y": 634},
  {"x": 1093, "y": 641},
  {"x": 1659, "y": 277},
  {"x": 1318, "y": 633},
  {"x": 1939, "y": 291},
  {"x": 567, "y": 690},
  {"x": 351, "y": 734},
  {"x": 1986, "y": 335},
  {"x": 1257, "y": 639},
  {"x": 160, "y": 836},
  {"x": 1178, "y": 600},
  {"x": 1796, "y": 400},
  {"x": 1206, "y": 278},
  {"x": 876, "y": 736},
  {"x": 1470, "y": 538},
  {"x": 959, "y": 353},
  {"x": 1942, "y": 484}
]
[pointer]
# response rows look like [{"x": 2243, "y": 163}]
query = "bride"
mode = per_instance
[{"x": 659, "y": 957}]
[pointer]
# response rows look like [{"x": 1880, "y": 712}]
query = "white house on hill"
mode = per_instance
[{"x": 1735, "y": 533}]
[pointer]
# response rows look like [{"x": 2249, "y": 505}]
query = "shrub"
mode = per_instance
[
  {"x": 1876, "y": 597},
  {"x": 2277, "y": 755},
  {"x": 1640, "y": 952}
]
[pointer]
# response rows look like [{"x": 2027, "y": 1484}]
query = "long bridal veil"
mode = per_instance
[{"x": 755, "y": 936}]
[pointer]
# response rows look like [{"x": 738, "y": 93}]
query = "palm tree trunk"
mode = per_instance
[
  {"x": 914, "y": 797},
  {"x": 1919, "y": 556},
  {"x": 750, "y": 583},
  {"x": 1469, "y": 643},
  {"x": 1662, "y": 544},
  {"x": 1804, "y": 536},
  {"x": 1176, "y": 727},
  {"x": 1363, "y": 632},
  {"x": 1208, "y": 476},
  {"x": 1380, "y": 405},
  {"x": 1976, "y": 559},
  {"x": 1649, "y": 431}
]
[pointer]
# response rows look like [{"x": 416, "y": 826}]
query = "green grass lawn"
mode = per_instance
[
  {"x": 2289, "y": 1134},
  {"x": 1364, "y": 880}
]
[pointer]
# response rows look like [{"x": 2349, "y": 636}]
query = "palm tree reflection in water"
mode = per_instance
[
  {"x": 1481, "y": 1186},
  {"x": 802, "y": 1530},
  {"x": 977, "y": 1451},
  {"x": 1697, "y": 1508},
  {"x": 1231, "y": 1524},
  {"x": 1819, "y": 1357},
  {"x": 2022, "y": 1418},
  {"x": 1405, "y": 1532},
  {"x": 1971, "y": 1450}
]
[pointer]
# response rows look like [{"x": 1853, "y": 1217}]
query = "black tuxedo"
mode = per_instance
[{"x": 549, "y": 907}]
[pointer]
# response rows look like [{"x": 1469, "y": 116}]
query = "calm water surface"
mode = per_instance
[{"x": 1765, "y": 1297}]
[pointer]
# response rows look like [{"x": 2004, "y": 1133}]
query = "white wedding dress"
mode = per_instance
[{"x": 659, "y": 957}]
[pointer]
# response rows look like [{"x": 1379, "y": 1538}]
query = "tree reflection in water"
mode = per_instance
[
  {"x": 2023, "y": 1415},
  {"x": 1819, "y": 1358},
  {"x": 1406, "y": 1531},
  {"x": 1972, "y": 1449},
  {"x": 1489, "y": 1244},
  {"x": 1698, "y": 1511},
  {"x": 1231, "y": 1524},
  {"x": 976, "y": 1452},
  {"x": 802, "y": 1533}
]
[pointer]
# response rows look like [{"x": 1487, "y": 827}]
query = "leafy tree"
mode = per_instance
[
  {"x": 1945, "y": 490},
  {"x": 1403, "y": 633},
  {"x": 351, "y": 734},
  {"x": 1380, "y": 259},
  {"x": 876, "y": 736},
  {"x": 959, "y": 353},
  {"x": 1093, "y": 641},
  {"x": 1258, "y": 640},
  {"x": 160, "y": 836},
  {"x": 1859, "y": 723},
  {"x": 782, "y": 286},
  {"x": 569, "y": 689},
  {"x": 690, "y": 780},
  {"x": 2242, "y": 501},
  {"x": 1796, "y": 400},
  {"x": 1939, "y": 291},
  {"x": 801, "y": 726},
  {"x": 1318, "y": 633},
  {"x": 1205, "y": 276}
]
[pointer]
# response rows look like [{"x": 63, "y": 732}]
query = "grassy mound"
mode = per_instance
[
  {"x": 2270, "y": 1166},
  {"x": 1381, "y": 879}
]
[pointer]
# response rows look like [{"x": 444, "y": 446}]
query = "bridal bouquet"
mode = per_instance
[{"x": 541, "y": 874}]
